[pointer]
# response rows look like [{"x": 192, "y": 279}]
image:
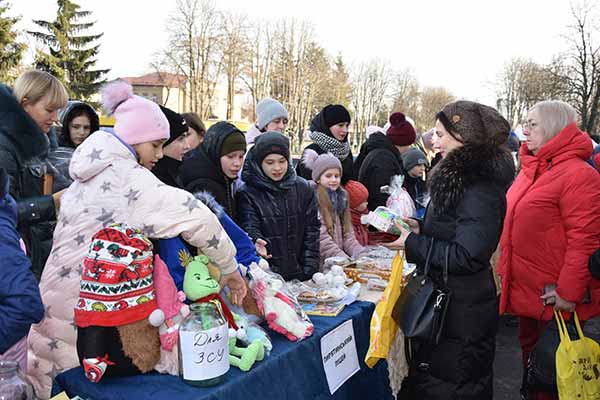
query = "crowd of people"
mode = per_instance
[{"x": 239, "y": 197}]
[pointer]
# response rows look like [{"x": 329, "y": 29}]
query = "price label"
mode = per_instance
[{"x": 205, "y": 354}]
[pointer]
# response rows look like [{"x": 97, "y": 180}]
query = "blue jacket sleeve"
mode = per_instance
[
  {"x": 246, "y": 252},
  {"x": 20, "y": 300}
]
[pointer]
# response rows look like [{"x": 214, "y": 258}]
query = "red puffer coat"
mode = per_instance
[{"x": 552, "y": 226}]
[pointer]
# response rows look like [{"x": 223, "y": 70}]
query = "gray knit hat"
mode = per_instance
[
  {"x": 320, "y": 163},
  {"x": 267, "y": 110},
  {"x": 412, "y": 158},
  {"x": 477, "y": 123}
]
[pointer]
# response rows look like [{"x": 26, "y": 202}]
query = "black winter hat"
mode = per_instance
[
  {"x": 271, "y": 143},
  {"x": 334, "y": 114},
  {"x": 177, "y": 125}
]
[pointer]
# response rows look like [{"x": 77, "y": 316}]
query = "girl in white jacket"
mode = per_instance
[{"x": 113, "y": 183}]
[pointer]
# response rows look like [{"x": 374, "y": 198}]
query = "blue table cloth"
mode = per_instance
[{"x": 292, "y": 371}]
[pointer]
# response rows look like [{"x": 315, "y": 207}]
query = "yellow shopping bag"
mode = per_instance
[
  {"x": 383, "y": 326},
  {"x": 577, "y": 364}
]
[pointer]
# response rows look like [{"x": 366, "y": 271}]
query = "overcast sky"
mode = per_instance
[{"x": 459, "y": 44}]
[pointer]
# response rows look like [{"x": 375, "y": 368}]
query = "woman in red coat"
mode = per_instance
[{"x": 551, "y": 226}]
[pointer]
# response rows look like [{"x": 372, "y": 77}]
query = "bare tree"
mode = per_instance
[
  {"x": 258, "y": 69},
  {"x": 406, "y": 93},
  {"x": 371, "y": 83},
  {"x": 583, "y": 56},
  {"x": 432, "y": 100},
  {"x": 193, "y": 51},
  {"x": 235, "y": 51}
]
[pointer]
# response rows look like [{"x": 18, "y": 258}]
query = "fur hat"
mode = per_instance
[
  {"x": 137, "y": 120},
  {"x": 320, "y": 163},
  {"x": 271, "y": 143},
  {"x": 476, "y": 123},
  {"x": 117, "y": 285},
  {"x": 177, "y": 125},
  {"x": 357, "y": 193},
  {"x": 267, "y": 110},
  {"x": 334, "y": 114},
  {"x": 412, "y": 158},
  {"x": 401, "y": 132}
]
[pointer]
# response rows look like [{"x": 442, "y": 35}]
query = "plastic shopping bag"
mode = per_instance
[
  {"x": 383, "y": 326},
  {"x": 577, "y": 364},
  {"x": 399, "y": 202}
]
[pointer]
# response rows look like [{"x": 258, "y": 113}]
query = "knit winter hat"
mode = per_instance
[
  {"x": 477, "y": 123},
  {"x": 117, "y": 286},
  {"x": 271, "y": 143},
  {"x": 267, "y": 110},
  {"x": 412, "y": 158},
  {"x": 233, "y": 142},
  {"x": 401, "y": 132},
  {"x": 177, "y": 125},
  {"x": 137, "y": 120},
  {"x": 357, "y": 193},
  {"x": 334, "y": 114},
  {"x": 320, "y": 163}
]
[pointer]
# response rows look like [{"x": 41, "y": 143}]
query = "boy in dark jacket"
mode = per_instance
[
  {"x": 20, "y": 301},
  {"x": 280, "y": 208}
]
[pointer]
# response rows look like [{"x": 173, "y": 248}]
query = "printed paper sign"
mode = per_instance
[
  {"x": 205, "y": 354},
  {"x": 340, "y": 360}
]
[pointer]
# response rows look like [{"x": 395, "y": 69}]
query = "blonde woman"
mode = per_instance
[{"x": 27, "y": 114}]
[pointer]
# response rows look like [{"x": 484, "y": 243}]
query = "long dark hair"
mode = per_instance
[{"x": 440, "y": 116}]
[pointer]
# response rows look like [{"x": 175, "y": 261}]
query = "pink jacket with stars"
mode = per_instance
[{"x": 109, "y": 187}]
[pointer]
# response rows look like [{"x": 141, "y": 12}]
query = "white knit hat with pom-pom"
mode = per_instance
[
  {"x": 137, "y": 120},
  {"x": 320, "y": 163}
]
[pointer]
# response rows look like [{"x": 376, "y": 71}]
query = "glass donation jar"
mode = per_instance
[{"x": 203, "y": 345}]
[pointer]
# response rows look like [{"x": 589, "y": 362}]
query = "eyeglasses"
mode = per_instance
[{"x": 530, "y": 125}]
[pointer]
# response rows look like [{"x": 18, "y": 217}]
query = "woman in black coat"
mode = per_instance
[
  {"x": 26, "y": 115},
  {"x": 464, "y": 219},
  {"x": 280, "y": 208},
  {"x": 214, "y": 166},
  {"x": 329, "y": 133}
]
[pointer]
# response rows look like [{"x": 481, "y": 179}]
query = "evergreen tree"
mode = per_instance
[
  {"x": 11, "y": 51},
  {"x": 71, "y": 56}
]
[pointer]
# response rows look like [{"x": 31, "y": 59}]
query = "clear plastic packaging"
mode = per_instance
[
  {"x": 384, "y": 220},
  {"x": 399, "y": 202},
  {"x": 279, "y": 305}
]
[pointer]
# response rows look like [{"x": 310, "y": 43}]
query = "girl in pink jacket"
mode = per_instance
[
  {"x": 112, "y": 183},
  {"x": 337, "y": 234}
]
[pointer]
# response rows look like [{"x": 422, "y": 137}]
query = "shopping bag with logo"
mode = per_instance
[
  {"x": 577, "y": 364},
  {"x": 383, "y": 326}
]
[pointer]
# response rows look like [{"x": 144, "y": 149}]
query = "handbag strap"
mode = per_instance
[
  {"x": 428, "y": 258},
  {"x": 445, "y": 272}
]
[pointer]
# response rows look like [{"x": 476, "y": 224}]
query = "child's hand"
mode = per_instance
[
  {"x": 261, "y": 249},
  {"x": 237, "y": 286}
]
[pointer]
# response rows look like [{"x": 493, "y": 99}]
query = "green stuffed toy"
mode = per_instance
[{"x": 200, "y": 287}]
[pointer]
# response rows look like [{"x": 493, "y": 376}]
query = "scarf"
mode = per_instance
[
  {"x": 330, "y": 144},
  {"x": 217, "y": 300}
]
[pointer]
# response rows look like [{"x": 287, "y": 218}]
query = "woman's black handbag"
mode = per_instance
[{"x": 421, "y": 308}]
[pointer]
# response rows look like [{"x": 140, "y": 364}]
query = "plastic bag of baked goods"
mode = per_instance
[
  {"x": 399, "y": 201},
  {"x": 383, "y": 326}
]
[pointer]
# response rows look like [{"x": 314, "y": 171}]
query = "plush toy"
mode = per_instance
[
  {"x": 117, "y": 314},
  {"x": 200, "y": 287},
  {"x": 281, "y": 310},
  {"x": 244, "y": 357},
  {"x": 248, "y": 331},
  {"x": 171, "y": 302}
]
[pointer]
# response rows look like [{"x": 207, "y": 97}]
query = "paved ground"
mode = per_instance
[{"x": 507, "y": 365}]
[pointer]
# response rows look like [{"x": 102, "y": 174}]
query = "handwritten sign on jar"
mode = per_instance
[{"x": 205, "y": 354}]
